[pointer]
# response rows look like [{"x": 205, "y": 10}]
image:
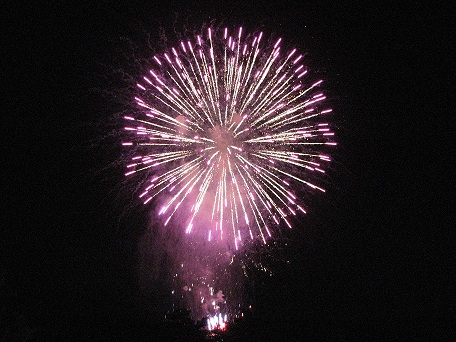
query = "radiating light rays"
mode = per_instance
[{"x": 226, "y": 131}]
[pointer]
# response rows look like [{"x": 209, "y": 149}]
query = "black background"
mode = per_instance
[{"x": 374, "y": 259}]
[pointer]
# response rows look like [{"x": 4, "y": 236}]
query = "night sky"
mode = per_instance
[{"x": 372, "y": 259}]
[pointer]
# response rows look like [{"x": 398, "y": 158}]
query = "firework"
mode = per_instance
[{"x": 227, "y": 127}]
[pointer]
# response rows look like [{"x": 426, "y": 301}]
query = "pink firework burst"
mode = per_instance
[{"x": 227, "y": 127}]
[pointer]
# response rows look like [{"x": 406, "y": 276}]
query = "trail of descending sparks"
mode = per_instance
[{"x": 226, "y": 128}]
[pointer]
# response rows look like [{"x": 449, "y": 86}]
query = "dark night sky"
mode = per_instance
[{"x": 374, "y": 259}]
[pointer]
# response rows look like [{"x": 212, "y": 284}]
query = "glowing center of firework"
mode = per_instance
[{"x": 223, "y": 139}]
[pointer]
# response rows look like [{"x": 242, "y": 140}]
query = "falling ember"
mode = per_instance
[{"x": 227, "y": 128}]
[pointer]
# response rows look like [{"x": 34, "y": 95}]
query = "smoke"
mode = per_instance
[{"x": 192, "y": 273}]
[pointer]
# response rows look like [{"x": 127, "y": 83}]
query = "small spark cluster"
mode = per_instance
[
  {"x": 227, "y": 127},
  {"x": 217, "y": 322}
]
